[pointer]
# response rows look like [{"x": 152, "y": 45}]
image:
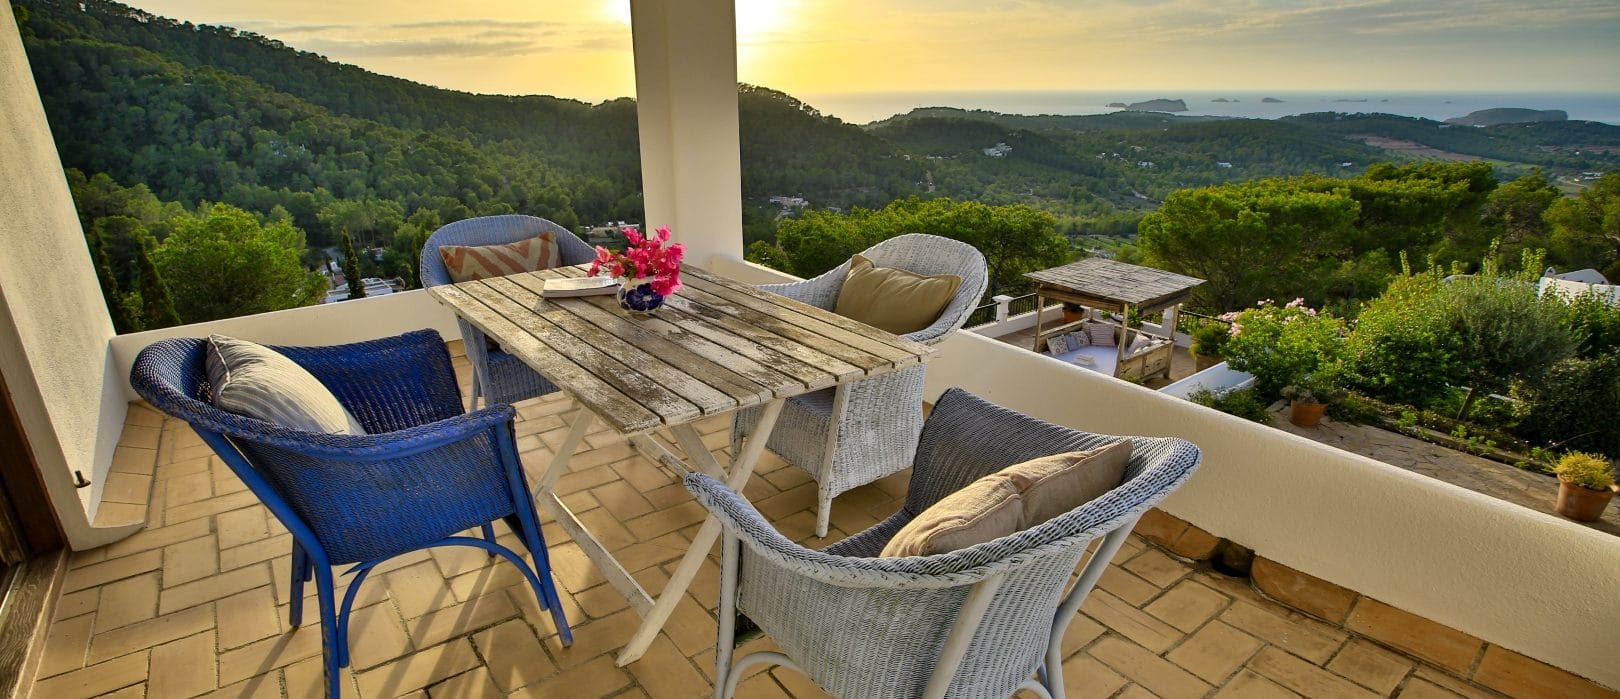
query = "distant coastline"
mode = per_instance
[{"x": 862, "y": 108}]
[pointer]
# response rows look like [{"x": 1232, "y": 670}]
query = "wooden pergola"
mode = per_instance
[{"x": 1112, "y": 286}]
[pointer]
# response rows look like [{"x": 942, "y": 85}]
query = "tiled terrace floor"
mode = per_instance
[{"x": 196, "y": 604}]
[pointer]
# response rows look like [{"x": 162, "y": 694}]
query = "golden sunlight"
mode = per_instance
[{"x": 756, "y": 19}]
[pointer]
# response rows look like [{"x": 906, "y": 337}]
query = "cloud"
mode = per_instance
[{"x": 447, "y": 38}]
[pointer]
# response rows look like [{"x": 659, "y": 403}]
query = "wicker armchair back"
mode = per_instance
[
  {"x": 865, "y": 430},
  {"x": 979, "y": 622},
  {"x": 498, "y": 377},
  {"x": 425, "y": 471}
]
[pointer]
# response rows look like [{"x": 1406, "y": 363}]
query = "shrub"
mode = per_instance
[
  {"x": 1596, "y": 323},
  {"x": 1400, "y": 351},
  {"x": 1573, "y": 406},
  {"x": 1243, "y": 402},
  {"x": 1283, "y": 345},
  {"x": 1504, "y": 331},
  {"x": 1208, "y": 337},
  {"x": 1585, "y": 470}
]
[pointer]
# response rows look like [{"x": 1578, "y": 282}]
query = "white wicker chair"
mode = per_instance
[
  {"x": 498, "y": 377},
  {"x": 984, "y": 621},
  {"x": 861, "y": 431}
]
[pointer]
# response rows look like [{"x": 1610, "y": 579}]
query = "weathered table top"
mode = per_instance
[{"x": 715, "y": 346}]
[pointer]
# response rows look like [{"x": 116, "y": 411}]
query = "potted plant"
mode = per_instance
[
  {"x": 1073, "y": 312},
  {"x": 1207, "y": 338},
  {"x": 1585, "y": 486},
  {"x": 1306, "y": 403}
]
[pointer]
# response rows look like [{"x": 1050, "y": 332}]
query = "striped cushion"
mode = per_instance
[
  {"x": 259, "y": 382},
  {"x": 466, "y": 262},
  {"x": 1101, "y": 334}
]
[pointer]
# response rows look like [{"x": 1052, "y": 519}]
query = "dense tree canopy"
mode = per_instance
[
  {"x": 1014, "y": 239},
  {"x": 221, "y": 262}
]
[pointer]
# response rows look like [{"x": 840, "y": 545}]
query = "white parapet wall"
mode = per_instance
[
  {"x": 326, "y": 324},
  {"x": 1524, "y": 580}
]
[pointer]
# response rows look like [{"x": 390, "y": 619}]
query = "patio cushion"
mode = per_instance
[
  {"x": 469, "y": 262},
  {"x": 253, "y": 380},
  {"x": 1013, "y": 499},
  {"x": 892, "y": 299},
  {"x": 1076, "y": 340},
  {"x": 1100, "y": 334}
]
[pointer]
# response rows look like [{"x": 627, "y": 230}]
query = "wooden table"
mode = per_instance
[{"x": 716, "y": 346}]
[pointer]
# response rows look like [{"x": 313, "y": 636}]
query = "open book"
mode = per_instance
[{"x": 583, "y": 286}]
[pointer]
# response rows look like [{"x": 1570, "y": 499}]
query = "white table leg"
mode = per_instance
[{"x": 742, "y": 467}]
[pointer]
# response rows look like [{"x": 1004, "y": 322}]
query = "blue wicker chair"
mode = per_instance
[
  {"x": 861, "y": 431},
  {"x": 498, "y": 377},
  {"x": 984, "y": 621},
  {"x": 425, "y": 471}
]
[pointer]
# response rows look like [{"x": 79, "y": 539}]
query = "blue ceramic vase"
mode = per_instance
[{"x": 637, "y": 296}]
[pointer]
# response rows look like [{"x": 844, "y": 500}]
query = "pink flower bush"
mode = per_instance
[{"x": 646, "y": 257}]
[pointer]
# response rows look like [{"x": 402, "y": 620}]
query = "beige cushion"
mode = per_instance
[
  {"x": 253, "y": 380},
  {"x": 1011, "y": 500},
  {"x": 1101, "y": 334},
  {"x": 468, "y": 262},
  {"x": 894, "y": 299}
]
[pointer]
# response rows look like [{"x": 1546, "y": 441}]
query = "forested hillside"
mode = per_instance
[{"x": 169, "y": 126}]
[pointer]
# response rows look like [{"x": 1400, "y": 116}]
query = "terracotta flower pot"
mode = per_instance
[
  {"x": 1306, "y": 414},
  {"x": 1582, "y": 504},
  {"x": 1072, "y": 316}
]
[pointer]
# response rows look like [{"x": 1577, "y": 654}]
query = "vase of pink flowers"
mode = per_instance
[{"x": 648, "y": 270}]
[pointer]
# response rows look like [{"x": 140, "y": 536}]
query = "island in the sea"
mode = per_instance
[
  {"x": 1161, "y": 105},
  {"x": 1222, "y": 99},
  {"x": 1271, "y": 100},
  {"x": 1509, "y": 115}
]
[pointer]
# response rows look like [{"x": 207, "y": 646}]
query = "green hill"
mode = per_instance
[{"x": 202, "y": 113}]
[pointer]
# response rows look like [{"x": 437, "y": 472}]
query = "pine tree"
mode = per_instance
[
  {"x": 122, "y": 322},
  {"x": 157, "y": 307},
  {"x": 351, "y": 268}
]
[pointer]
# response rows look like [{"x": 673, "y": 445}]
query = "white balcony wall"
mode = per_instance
[
  {"x": 327, "y": 324},
  {"x": 53, "y": 325},
  {"x": 1525, "y": 580}
]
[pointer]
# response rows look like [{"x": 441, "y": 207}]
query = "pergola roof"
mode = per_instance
[{"x": 1108, "y": 284}]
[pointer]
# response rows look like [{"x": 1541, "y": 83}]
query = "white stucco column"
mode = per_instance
[
  {"x": 686, "y": 97},
  {"x": 54, "y": 326}
]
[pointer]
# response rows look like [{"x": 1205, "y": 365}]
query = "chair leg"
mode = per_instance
[
  {"x": 330, "y": 649},
  {"x": 489, "y": 535},
  {"x": 300, "y": 573},
  {"x": 726, "y": 639},
  {"x": 546, "y": 593},
  {"x": 823, "y": 510}
]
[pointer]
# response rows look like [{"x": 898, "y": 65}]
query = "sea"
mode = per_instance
[{"x": 866, "y": 107}]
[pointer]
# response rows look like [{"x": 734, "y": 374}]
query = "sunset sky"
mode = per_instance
[{"x": 581, "y": 49}]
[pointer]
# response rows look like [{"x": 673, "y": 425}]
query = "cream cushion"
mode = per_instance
[
  {"x": 1011, "y": 500},
  {"x": 894, "y": 300},
  {"x": 250, "y": 379},
  {"x": 469, "y": 262},
  {"x": 1100, "y": 334}
]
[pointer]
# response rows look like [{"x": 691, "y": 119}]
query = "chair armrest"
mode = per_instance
[
  {"x": 739, "y": 517},
  {"x": 820, "y": 291},
  {"x": 370, "y": 447}
]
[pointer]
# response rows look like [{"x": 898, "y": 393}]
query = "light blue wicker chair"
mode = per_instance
[
  {"x": 425, "y": 471},
  {"x": 980, "y": 622},
  {"x": 861, "y": 431},
  {"x": 498, "y": 377}
]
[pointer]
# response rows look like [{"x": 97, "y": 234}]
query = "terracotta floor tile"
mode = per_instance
[
  {"x": 183, "y": 668},
  {"x": 1154, "y": 626}
]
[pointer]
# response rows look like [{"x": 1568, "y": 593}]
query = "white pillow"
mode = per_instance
[{"x": 253, "y": 380}]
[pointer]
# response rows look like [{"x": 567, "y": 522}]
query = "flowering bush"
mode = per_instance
[
  {"x": 646, "y": 257},
  {"x": 1283, "y": 345}
]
